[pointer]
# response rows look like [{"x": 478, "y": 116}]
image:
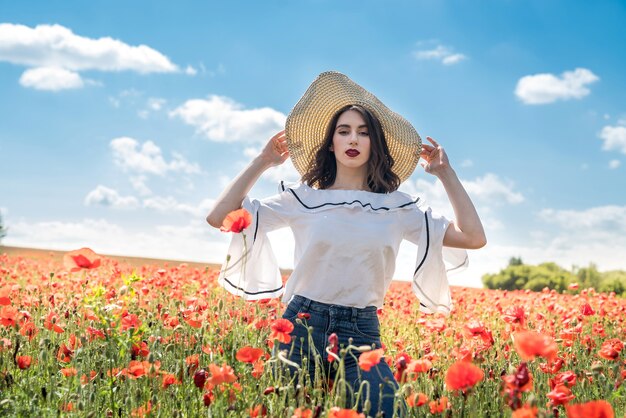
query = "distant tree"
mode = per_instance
[
  {"x": 589, "y": 276},
  {"x": 614, "y": 281},
  {"x": 518, "y": 275},
  {"x": 3, "y": 230},
  {"x": 522, "y": 276}
]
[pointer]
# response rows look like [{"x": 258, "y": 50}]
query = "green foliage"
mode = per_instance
[{"x": 522, "y": 276}]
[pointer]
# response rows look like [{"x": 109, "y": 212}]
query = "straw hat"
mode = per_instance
[{"x": 307, "y": 123}]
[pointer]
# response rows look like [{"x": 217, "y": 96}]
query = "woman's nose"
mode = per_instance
[{"x": 353, "y": 138}]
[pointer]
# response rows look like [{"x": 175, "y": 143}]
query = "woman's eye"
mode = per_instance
[{"x": 364, "y": 133}]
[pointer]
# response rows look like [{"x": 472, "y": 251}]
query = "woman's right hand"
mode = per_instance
[{"x": 275, "y": 151}]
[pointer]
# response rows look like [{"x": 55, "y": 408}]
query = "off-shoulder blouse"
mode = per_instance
[{"x": 346, "y": 244}]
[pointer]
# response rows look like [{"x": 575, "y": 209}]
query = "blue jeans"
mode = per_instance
[{"x": 361, "y": 326}]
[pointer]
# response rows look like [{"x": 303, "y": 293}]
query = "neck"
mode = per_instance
[{"x": 350, "y": 180}]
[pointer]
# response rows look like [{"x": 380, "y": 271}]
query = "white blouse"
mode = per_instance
[{"x": 346, "y": 247}]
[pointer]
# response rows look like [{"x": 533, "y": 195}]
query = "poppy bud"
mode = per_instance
[
  {"x": 199, "y": 378},
  {"x": 206, "y": 399}
]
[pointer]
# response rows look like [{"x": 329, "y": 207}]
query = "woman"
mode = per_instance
[{"x": 348, "y": 220}]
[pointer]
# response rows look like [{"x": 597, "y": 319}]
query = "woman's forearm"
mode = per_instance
[
  {"x": 236, "y": 191},
  {"x": 469, "y": 232}
]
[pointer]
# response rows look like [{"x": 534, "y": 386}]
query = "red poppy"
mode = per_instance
[
  {"x": 439, "y": 406},
  {"x": 52, "y": 323},
  {"x": 463, "y": 375},
  {"x": 515, "y": 315},
  {"x": 525, "y": 411},
  {"x": 333, "y": 347},
  {"x": 560, "y": 395},
  {"x": 236, "y": 221},
  {"x": 593, "y": 409},
  {"x": 258, "y": 368},
  {"x": 258, "y": 411},
  {"x": 168, "y": 380},
  {"x": 336, "y": 412},
  {"x": 140, "y": 349},
  {"x": 370, "y": 359},
  {"x": 8, "y": 316},
  {"x": 416, "y": 399},
  {"x": 248, "y": 354},
  {"x": 302, "y": 413},
  {"x": 224, "y": 374},
  {"x": 5, "y": 293},
  {"x": 567, "y": 378},
  {"x": 28, "y": 329},
  {"x": 23, "y": 362},
  {"x": 529, "y": 344},
  {"x": 418, "y": 366},
  {"x": 137, "y": 369},
  {"x": 586, "y": 309},
  {"x": 84, "y": 258},
  {"x": 611, "y": 349},
  {"x": 68, "y": 371},
  {"x": 130, "y": 321},
  {"x": 281, "y": 328},
  {"x": 142, "y": 411}
]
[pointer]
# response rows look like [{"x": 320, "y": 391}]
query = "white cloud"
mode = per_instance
[
  {"x": 613, "y": 164},
  {"x": 147, "y": 158},
  {"x": 104, "y": 196},
  {"x": 431, "y": 50},
  {"x": 489, "y": 189},
  {"x": 139, "y": 184},
  {"x": 51, "y": 79},
  {"x": 190, "y": 70},
  {"x": 221, "y": 119},
  {"x": 285, "y": 172},
  {"x": 467, "y": 163},
  {"x": 614, "y": 137},
  {"x": 58, "y": 46},
  {"x": 582, "y": 223},
  {"x": 548, "y": 88},
  {"x": 594, "y": 234},
  {"x": 57, "y": 55},
  {"x": 170, "y": 204},
  {"x": 156, "y": 103}
]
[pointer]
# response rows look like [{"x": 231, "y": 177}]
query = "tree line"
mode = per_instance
[{"x": 518, "y": 275}]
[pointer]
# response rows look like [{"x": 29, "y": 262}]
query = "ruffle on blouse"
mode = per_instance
[
  {"x": 251, "y": 270},
  {"x": 433, "y": 263},
  {"x": 314, "y": 200}
]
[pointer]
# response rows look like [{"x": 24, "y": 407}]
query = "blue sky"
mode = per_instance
[{"x": 122, "y": 121}]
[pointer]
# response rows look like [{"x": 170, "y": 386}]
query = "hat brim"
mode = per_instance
[{"x": 308, "y": 121}]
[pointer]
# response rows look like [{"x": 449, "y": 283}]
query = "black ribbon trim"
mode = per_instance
[
  {"x": 427, "y": 244},
  {"x": 252, "y": 293},
  {"x": 350, "y": 203}
]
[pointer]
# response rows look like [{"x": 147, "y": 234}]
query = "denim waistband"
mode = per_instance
[{"x": 307, "y": 304}]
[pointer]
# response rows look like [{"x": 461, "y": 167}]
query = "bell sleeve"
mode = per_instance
[
  {"x": 434, "y": 261},
  {"x": 251, "y": 270}
]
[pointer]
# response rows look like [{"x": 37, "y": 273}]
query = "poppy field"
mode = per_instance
[{"x": 95, "y": 337}]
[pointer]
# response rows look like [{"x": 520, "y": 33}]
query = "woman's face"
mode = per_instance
[{"x": 351, "y": 141}]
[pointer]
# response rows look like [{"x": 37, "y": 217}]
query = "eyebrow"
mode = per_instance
[{"x": 348, "y": 126}]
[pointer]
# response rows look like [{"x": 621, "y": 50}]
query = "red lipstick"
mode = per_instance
[{"x": 352, "y": 153}]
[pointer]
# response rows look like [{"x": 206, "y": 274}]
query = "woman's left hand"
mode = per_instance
[{"x": 435, "y": 159}]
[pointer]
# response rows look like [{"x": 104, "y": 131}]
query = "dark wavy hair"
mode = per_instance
[{"x": 380, "y": 178}]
